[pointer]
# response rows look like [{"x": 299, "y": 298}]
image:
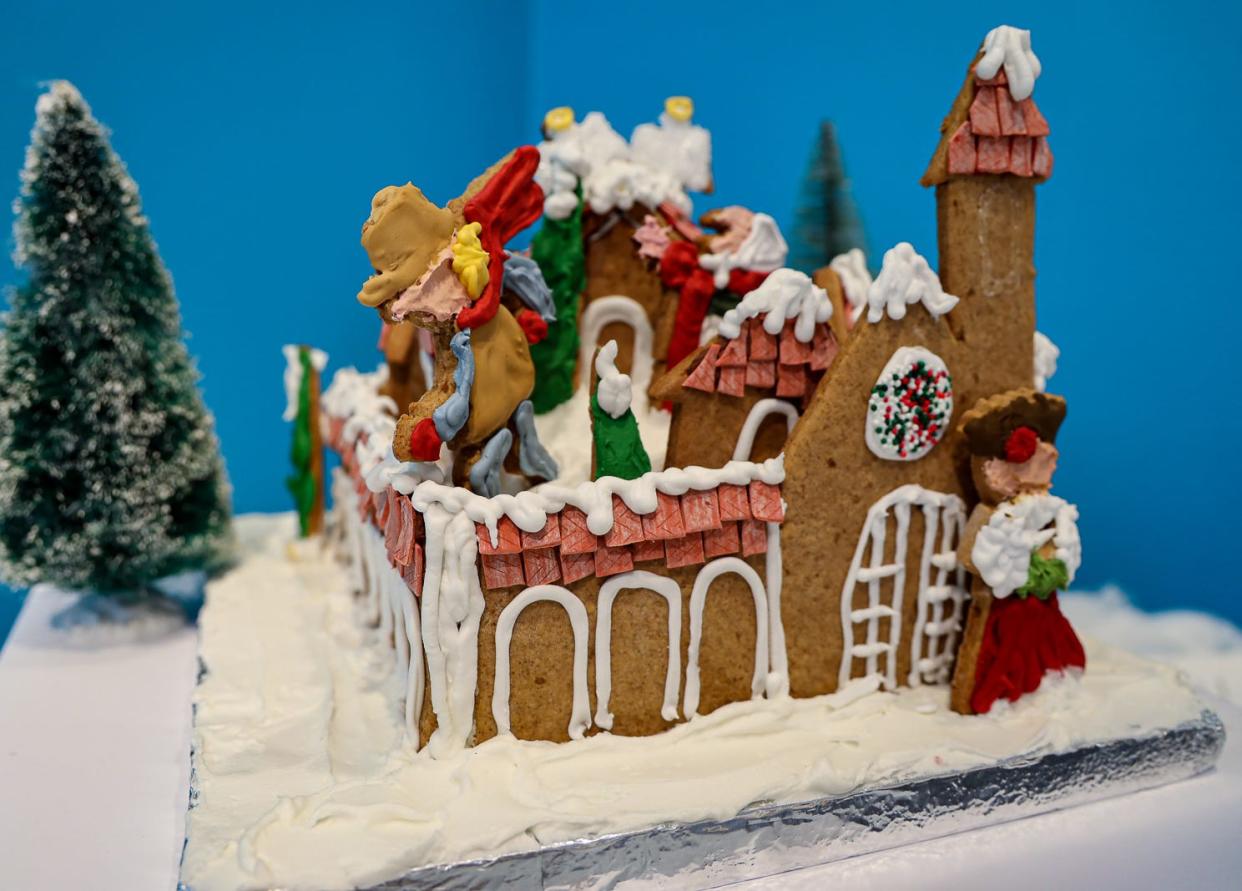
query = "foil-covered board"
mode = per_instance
[{"x": 770, "y": 839}]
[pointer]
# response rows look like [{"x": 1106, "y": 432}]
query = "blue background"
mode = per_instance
[{"x": 258, "y": 133}]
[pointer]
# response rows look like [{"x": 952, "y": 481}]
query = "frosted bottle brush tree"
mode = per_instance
[{"x": 110, "y": 472}]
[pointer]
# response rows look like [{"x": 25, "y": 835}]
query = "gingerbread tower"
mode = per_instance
[{"x": 993, "y": 151}]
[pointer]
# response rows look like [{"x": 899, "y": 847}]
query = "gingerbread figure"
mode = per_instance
[
  {"x": 441, "y": 269},
  {"x": 1021, "y": 545}
]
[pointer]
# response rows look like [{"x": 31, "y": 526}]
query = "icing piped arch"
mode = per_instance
[
  {"x": 580, "y": 715},
  {"x": 698, "y": 598},
  {"x": 671, "y": 592}
]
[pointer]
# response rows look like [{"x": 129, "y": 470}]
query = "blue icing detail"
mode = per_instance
[
  {"x": 450, "y": 417},
  {"x": 533, "y": 458},
  {"x": 525, "y": 279},
  {"x": 485, "y": 475}
]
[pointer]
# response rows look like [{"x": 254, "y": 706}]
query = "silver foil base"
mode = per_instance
[{"x": 770, "y": 839}]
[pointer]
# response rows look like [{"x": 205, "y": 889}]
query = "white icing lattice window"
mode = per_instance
[{"x": 871, "y": 632}]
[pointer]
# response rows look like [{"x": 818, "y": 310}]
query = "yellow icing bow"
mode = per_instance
[
  {"x": 679, "y": 108},
  {"x": 470, "y": 260},
  {"x": 558, "y": 119}
]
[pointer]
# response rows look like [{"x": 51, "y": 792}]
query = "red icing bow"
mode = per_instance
[{"x": 509, "y": 202}]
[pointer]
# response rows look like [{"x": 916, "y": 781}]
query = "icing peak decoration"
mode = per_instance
[
  {"x": 615, "y": 390},
  {"x": 785, "y": 294},
  {"x": 1011, "y": 48},
  {"x": 851, "y": 268},
  {"x": 910, "y": 407},
  {"x": 906, "y": 279},
  {"x": 1046, "y": 355},
  {"x": 676, "y": 146},
  {"x": 470, "y": 260}
]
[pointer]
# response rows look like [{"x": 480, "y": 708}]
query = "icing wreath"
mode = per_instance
[
  {"x": 910, "y": 405},
  {"x": 1002, "y": 553}
]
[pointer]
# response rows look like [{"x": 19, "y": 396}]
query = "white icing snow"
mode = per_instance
[
  {"x": 293, "y": 376},
  {"x": 1010, "y": 47},
  {"x": 303, "y": 781},
  {"x": 1046, "y": 355},
  {"x": 906, "y": 279},
  {"x": 1002, "y": 549},
  {"x": 615, "y": 391},
  {"x": 785, "y": 294},
  {"x": 612, "y": 175},
  {"x": 619, "y": 184},
  {"x": 763, "y": 250},
  {"x": 851, "y": 268},
  {"x": 680, "y": 148}
]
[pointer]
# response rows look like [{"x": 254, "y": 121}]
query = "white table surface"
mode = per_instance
[{"x": 94, "y": 772}]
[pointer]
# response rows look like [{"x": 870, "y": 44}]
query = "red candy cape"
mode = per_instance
[
  {"x": 1024, "y": 637},
  {"x": 509, "y": 202},
  {"x": 680, "y": 270}
]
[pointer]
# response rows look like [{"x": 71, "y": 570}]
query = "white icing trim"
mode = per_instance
[
  {"x": 1046, "y": 355},
  {"x": 1002, "y": 550},
  {"x": 906, "y": 279},
  {"x": 778, "y": 674},
  {"x": 580, "y": 716},
  {"x": 1011, "y": 47},
  {"x": 636, "y": 580},
  {"x": 874, "y": 534},
  {"x": 698, "y": 597},
  {"x": 603, "y": 311},
  {"x": 785, "y": 294},
  {"x": 940, "y": 628},
  {"x": 758, "y": 413},
  {"x": 452, "y": 604}
]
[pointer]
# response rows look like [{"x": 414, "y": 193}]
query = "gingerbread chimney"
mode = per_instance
[{"x": 993, "y": 151}]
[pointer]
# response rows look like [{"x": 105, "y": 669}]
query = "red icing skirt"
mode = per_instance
[{"x": 1024, "y": 638}]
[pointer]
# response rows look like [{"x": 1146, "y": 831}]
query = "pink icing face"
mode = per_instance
[
  {"x": 736, "y": 222},
  {"x": 1034, "y": 475},
  {"x": 438, "y": 294}
]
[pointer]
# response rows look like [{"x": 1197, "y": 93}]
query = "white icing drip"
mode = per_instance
[
  {"x": 681, "y": 148},
  {"x": 851, "y": 269},
  {"x": 1010, "y": 47},
  {"x": 615, "y": 391},
  {"x": 785, "y": 294},
  {"x": 606, "y": 310},
  {"x": 580, "y": 717},
  {"x": 778, "y": 674},
  {"x": 636, "y": 580},
  {"x": 906, "y": 279},
  {"x": 758, "y": 413},
  {"x": 1002, "y": 550},
  {"x": 872, "y": 540},
  {"x": 698, "y": 597},
  {"x": 1046, "y": 355},
  {"x": 763, "y": 250}
]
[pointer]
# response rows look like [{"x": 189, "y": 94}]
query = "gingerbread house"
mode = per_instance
[{"x": 627, "y": 605}]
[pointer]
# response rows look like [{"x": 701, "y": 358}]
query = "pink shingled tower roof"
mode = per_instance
[{"x": 1001, "y": 135}]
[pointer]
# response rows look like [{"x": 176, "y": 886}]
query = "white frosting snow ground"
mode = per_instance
[{"x": 302, "y": 783}]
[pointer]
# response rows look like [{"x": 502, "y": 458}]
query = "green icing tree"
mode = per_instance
[
  {"x": 110, "y": 472},
  {"x": 557, "y": 248},
  {"x": 303, "y": 484},
  {"x": 827, "y": 222},
  {"x": 618, "y": 448}
]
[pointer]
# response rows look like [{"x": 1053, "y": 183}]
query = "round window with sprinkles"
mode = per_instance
[{"x": 911, "y": 405}]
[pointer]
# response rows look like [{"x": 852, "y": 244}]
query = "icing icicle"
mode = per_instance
[
  {"x": 1010, "y": 47},
  {"x": 904, "y": 280}
]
